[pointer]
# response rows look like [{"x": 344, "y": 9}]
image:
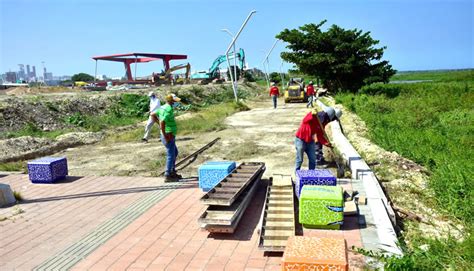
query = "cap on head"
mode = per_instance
[
  {"x": 310, "y": 82},
  {"x": 151, "y": 93},
  {"x": 172, "y": 98},
  {"x": 273, "y": 84}
]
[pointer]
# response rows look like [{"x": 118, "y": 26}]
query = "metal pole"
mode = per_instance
[
  {"x": 266, "y": 60},
  {"x": 228, "y": 67},
  {"x": 234, "y": 86},
  {"x": 135, "y": 76},
  {"x": 235, "y": 65},
  {"x": 95, "y": 76},
  {"x": 282, "y": 76}
]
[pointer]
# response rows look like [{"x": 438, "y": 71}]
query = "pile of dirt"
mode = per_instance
[
  {"x": 16, "y": 91},
  {"x": 48, "y": 113},
  {"x": 27, "y": 147}
]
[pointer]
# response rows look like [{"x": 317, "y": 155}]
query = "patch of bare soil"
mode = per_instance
[
  {"x": 262, "y": 134},
  {"x": 405, "y": 182},
  {"x": 37, "y": 90}
]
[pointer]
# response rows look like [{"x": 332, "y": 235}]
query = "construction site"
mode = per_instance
[{"x": 274, "y": 168}]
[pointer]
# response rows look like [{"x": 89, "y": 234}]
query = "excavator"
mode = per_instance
[
  {"x": 168, "y": 79},
  {"x": 213, "y": 73}
]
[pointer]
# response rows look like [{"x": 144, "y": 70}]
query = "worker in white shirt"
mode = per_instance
[{"x": 154, "y": 105}]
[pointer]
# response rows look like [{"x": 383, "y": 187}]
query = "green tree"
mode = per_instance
[
  {"x": 82, "y": 77},
  {"x": 343, "y": 59},
  {"x": 275, "y": 77}
]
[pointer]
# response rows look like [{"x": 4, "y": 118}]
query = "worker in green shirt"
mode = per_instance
[{"x": 168, "y": 135}]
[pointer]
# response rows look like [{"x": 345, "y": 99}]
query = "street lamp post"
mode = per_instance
[
  {"x": 266, "y": 60},
  {"x": 234, "y": 86},
  {"x": 235, "y": 55}
]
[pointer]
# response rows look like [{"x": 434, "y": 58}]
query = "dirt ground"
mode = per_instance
[{"x": 262, "y": 134}]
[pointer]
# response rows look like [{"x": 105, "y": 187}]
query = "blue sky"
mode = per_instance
[{"x": 419, "y": 35}]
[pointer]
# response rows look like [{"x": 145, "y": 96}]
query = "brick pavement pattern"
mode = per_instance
[{"x": 165, "y": 237}]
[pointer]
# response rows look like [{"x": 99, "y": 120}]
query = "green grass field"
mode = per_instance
[{"x": 431, "y": 123}]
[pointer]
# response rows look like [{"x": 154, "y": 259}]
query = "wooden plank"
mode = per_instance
[
  {"x": 216, "y": 197},
  {"x": 227, "y": 215},
  {"x": 278, "y": 217}
]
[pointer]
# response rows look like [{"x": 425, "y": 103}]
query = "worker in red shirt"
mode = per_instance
[
  {"x": 274, "y": 93},
  {"x": 310, "y": 130},
  {"x": 310, "y": 93}
]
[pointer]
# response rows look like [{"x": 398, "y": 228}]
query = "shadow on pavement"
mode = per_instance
[{"x": 111, "y": 192}]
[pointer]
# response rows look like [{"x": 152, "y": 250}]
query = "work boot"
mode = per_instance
[
  {"x": 176, "y": 175},
  {"x": 171, "y": 179},
  {"x": 321, "y": 164}
]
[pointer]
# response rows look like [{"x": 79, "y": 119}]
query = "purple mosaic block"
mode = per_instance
[
  {"x": 313, "y": 177},
  {"x": 47, "y": 169},
  {"x": 212, "y": 172}
]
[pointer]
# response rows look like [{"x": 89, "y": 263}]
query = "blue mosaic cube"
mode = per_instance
[
  {"x": 212, "y": 172},
  {"x": 313, "y": 177},
  {"x": 47, "y": 169}
]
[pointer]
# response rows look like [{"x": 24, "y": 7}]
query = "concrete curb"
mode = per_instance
[{"x": 383, "y": 214}]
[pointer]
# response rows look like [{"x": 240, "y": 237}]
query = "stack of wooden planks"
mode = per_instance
[
  {"x": 229, "y": 199},
  {"x": 278, "y": 215}
]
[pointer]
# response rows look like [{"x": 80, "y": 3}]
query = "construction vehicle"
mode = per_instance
[
  {"x": 295, "y": 92},
  {"x": 214, "y": 73},
  {"x": 167, "y": 78}
]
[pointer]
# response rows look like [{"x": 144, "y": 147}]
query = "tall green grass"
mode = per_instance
[
  {"x": 438, "y": 76},
  {"x": 432, "y": 124}
]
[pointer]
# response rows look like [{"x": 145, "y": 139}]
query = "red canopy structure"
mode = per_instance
[{"x": 130, "y": 58}]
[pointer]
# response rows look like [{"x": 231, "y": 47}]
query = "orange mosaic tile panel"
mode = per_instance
[{"x": 315, "y": 254}]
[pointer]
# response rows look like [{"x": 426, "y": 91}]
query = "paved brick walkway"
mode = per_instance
[{"x": 165, "y": 236}]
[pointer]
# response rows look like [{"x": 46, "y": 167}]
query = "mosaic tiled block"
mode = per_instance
[
  {"x": 47, "y": 169},
  {"x": 313, "y": 177},
  {"x": 212, "y": 172},
  {"x": 321, "y": 207},
  {"x": 317, "y": 254}
]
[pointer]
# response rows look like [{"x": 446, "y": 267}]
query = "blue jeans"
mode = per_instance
[
  {"x": 311, "y": 98},
  {"x": 275, "y": 99},
  {"x": 171, "y": 154},
  {"x": 318, "y": 147},
  {"x": 308, "y": 148}
]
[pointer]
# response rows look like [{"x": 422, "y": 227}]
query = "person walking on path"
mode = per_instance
[
  {"x": 325, "y": 116},
  {"x": 310, "y": 130},
  {"x": 154, "y": 105},
  {"x": 274, "y": 93},
  {"x": 168, "y": 136},
  {"x": 310, "y": 93}
]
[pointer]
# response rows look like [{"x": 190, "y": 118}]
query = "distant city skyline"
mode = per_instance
[{"x": 419, "y": 35}]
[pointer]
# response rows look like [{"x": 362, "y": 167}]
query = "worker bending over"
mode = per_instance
[
  {"x": 310, "y": 130},
  {"x": 325, "y": 116}
]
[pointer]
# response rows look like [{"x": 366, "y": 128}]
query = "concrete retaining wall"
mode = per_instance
[{"x": 384, "y": 216}]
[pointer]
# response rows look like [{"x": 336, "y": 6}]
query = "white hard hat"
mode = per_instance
[
  {"x": 151, "y": 93},
  {"x": 338, "y": 113},
  {"x": 330, "y": 111}
]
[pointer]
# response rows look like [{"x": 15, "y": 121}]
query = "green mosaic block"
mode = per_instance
[{"x": 321, "y": 207}]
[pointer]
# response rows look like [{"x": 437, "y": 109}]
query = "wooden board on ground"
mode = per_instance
[
  {"x": 238, "y": 179},
  {"x": 225, "y": 215},
  {"x": 225, "y": 219},
  {"x": 278, "y": 216}
]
